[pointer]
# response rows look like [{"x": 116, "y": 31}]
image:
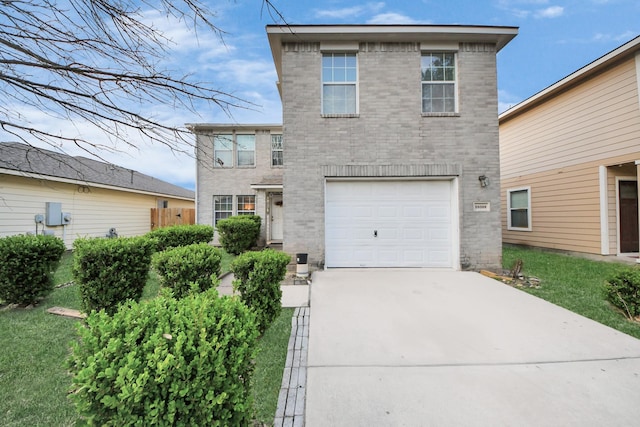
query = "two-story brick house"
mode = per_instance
[
  {"x": 239, "y": 171},
  {"x": 390, "y": 145}
]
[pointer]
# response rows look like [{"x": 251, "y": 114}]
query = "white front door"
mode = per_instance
[
  {"x": 276, "y": 217},
  {"x": 389, "y": 224}
]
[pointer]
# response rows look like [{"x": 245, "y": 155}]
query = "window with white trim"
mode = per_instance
[
  {"x": 276, "y": 150},
  {"x": 223, "y": 151},
  {"x": 246, "y": 205},
  {"x": 339, "y": 83},
  {"x": 222, "y": 208},
  {"x": 246, "y": 150},
  {"x": 519, "y": 209},
  {"x": 438, "y": 82}
]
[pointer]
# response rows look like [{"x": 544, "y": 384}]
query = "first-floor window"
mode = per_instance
[
  {"x": 222, "y": 208},
  {"x": 246, "y": 205},
  {"x": 519, "y": 209}
]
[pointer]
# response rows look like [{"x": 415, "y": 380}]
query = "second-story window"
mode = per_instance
[
  {"x": 223, "y": 151},
  {"x": 339, "y": 83},
  {"x": 439, "y": 82},
  {"x": 246, "y": 150},
  {"x": 276, "y": 150}
]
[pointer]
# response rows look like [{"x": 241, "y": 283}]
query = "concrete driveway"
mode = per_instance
[{"x": 417, "y": 347}]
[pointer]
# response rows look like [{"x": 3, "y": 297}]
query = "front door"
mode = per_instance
[
  {"x": 276, "y": 217},
  {"x": 628, "y": 202}
]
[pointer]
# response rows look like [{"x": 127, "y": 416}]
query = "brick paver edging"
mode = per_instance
[{"x": 290, "y": 411}]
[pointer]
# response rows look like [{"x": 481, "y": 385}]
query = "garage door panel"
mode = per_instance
[{"x": 413, "y": 221}]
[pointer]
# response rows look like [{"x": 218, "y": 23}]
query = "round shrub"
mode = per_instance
[
  {"x": 182, "y": 267},
  {"x": 623, "y": 291},
  {"x": 111, "y": 271},
  {"x": 167, "y": 362},
  {"x": 239, "y": 233},
  {"x": 257, "y": 278},
  {"x": 181, "y": 235},
  {"x": 27, "y": 267}
]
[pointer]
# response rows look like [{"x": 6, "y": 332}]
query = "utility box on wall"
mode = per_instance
[{"x": 54, "y": 214}]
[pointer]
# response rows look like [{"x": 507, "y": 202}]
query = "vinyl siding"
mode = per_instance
[
  {"x": 565, "y": 206},
  {"x": 557, "y": 147},
  {"x": 93, "y": 212},
  {"x": 586, "y": 123}
]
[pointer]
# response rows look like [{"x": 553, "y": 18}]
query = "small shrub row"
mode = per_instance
[
  {"x": 167, "y": 362},
  {"x": 183, "y": 267},
  {"x": 257, "y": 278},
  {"x": 111, "y": 271},
  {"x": 239, "y": 233},
  {"x": 623, "y": 291},
  {"x": 181, "y": 235},
  {"x": 27, "y": 264}
]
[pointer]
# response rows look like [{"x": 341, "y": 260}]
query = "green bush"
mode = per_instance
[
  {"x": 111, "y": 271},
  {"x": 27, "y": 264},
  {"x": 257, "y": 278},
  {"x": 179, "y": 268},
  {"x": 623, "y": 290},
  {"x": 181, "y": 235},
  {"x": 167, "y": 362},
  {"x": 239, "y": 233}
]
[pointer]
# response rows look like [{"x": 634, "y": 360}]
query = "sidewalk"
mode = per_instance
[{"x": 293, "y": 295}]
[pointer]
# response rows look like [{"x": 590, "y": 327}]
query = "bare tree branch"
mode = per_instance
[{"x": 98, "y": 61}]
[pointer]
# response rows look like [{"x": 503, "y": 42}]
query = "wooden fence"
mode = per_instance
[{"x": 164, "y": 217}]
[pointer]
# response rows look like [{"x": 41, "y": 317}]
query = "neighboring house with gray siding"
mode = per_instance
[
  {"x": 570, "y": 158},
  {"x": 390, "y": 145},
  {"x": 70, "y": 197}
]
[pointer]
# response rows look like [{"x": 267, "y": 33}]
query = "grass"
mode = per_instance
[
  {"x": 35, "y": 345},
  {"x": 574, "y": 283}
]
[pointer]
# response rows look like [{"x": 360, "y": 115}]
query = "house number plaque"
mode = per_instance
[{"x": 482, "y": 206}]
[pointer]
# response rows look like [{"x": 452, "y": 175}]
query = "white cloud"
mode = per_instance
[
  {"x": 391, "y": 18},
  {"x": 506, "y": 100},
  {"x": 349, "y": 12},
  {"x": 550, "y": 12}
]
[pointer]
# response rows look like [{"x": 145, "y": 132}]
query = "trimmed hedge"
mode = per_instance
[
  {"x": 182, "y": 267},
  {"x": 623, "y": 291},
  {"x": 27, "y": 265},
  {"x": 239, "y": 233},
  {"x": 257, "y": 278},
  {"x": 181, "y": 235},
  {"x": 167, "y": 362},
  {"x": 111, "y": 271}
]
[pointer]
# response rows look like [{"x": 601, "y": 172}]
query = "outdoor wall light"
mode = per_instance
[{"x": 484, "y": 181}]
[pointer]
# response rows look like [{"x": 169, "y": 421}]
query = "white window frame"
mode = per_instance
[
  {"x": 217, "y": 161},
  {"x": 355, "y": 84},
  {"x": 513, "y": 190},
  {"x": 277, "y": 150},
  {"x": 440, "y": 82},
  {"x": 216, "y": 201},
  {"x": 239, "y": 150},
  {"x": 240, "y": 202}
]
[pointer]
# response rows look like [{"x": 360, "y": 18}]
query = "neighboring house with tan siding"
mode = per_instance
[
  {"x": 70, "y": 197},
  {"x": 570, "y": 160}
]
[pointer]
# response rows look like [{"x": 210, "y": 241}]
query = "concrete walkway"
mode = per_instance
[
  {"x": 416, "y": 347},
  {"x": 293, "y": 295}
]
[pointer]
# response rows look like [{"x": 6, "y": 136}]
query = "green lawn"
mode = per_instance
[
  {"x": 34, "y": 346},
  {"x": 574, "y": 283}
]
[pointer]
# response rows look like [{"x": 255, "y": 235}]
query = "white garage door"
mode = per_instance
[{"x": 388, "y": 224}]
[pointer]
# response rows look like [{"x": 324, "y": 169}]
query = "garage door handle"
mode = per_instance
[{"x": 375, "y": 233}]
